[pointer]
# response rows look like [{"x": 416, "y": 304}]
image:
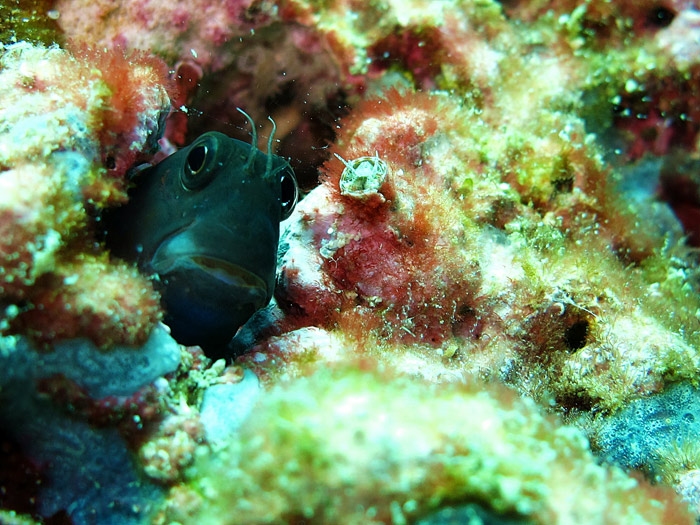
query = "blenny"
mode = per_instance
[{"x": 204, "y": 223}]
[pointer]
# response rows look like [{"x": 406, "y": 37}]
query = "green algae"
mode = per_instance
[
  {"x": 29, "y": 20},
  {"x": 346, "y": 446}
]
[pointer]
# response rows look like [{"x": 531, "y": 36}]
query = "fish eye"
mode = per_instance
[
  {"x": 195, "y": 159},
  {"x": 196, "y": 170},
  {"x": 289, "y": 192}
]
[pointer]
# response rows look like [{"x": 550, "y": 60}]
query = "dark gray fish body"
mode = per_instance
[{"x": 205, "y": 223}]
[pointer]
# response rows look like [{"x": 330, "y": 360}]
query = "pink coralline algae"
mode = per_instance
[
  {"x": 377, "y": 251},
  {"x": 72, "y": 125},
  {"x": 500, "y": 202},
  {"x": 254, "y": 55},
  {"x": 506, "y": 267}
]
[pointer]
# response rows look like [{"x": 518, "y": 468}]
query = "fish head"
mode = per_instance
[{"x": 205, "y": 223}]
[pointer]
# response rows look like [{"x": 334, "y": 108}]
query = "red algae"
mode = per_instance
[
  {"x": 135, "y": 81},
  {"x": 494, "y": 188},
  {"x": 379, "y": 251},
  {"x": 70, "y": 134},
  {"x": 91, "y": 298}
]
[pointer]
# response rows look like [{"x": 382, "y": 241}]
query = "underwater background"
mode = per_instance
[{"x": 484, "y": 307}]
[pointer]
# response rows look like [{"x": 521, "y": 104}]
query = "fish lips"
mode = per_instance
[{"x": 207, "y": 276}]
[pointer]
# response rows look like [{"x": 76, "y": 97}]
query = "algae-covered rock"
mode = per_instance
[
  {"x": 29, "y": 20},
  {"x": 352, "y": 447}
]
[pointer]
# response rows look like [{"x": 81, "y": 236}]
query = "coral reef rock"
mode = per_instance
[
  {"x": 487, "y": 303},
  {"x": 351, "y": 446}
]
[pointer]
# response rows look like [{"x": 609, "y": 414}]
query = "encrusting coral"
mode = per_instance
[
  {"x": 71, "y": 126},
  {"x": 71, "y": 123},
  {"x": 354, "y": 446},
  {"x": 454, "y": 259}
]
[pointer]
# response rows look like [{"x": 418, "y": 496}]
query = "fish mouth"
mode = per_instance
[
  {"x": 228, "y": 273},
  {"x": 224, "y": 272},
  {"x": 177, "y": 255}
]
